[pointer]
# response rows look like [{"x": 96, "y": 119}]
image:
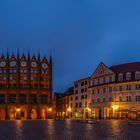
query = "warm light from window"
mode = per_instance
[{"x": 115, "y": 107}]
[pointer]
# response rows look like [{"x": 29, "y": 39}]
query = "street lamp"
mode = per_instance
[
  {"x": 50, "y": 109},
  {"x": 115, "y": 108}
]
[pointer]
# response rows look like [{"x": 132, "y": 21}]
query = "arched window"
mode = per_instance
[
  {"x": 137, "y": 75},
  {"x": 128, "y": 76},
  {"x": 120, "y": 77}
]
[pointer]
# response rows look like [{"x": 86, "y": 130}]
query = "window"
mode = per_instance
[
  {"x": 98, "y": 81},
  {"x": 137, "y": 86},
  {"x": 76, "y": 85},
  {"x": 120, "y": 88},
  {"x": 110, "y": 89},
  {"x": 80, "y": 105},
  {"x": 101, "y": 72},
  {"x": 82, "y": 97},
  {"x": 137, "y": 98},
  {"x": 22, "y": 98},
  {"x": 85, "y": 82},
  {"x": 12, "y": 98},
  {"x": 137, "y": 75},
  {"x": 98, "y": 100},
  {"x": 76, "y": 105},
  {"x": 110, "y": 99},
  {"x": 128, "y": 87},
  {"x": 85, "y": 104},
  {"x": 104, "y": 90},
  {"x": 76, "y": 98},
  {"x": 44, "y": 99},
  {"x": 2, "y": 98},
  {"x": 4, "y": 78},
  {"x": 120, "y": 99},
  {"x": 120, "y": 77},
  {"x": 25, "y": 78},
  {"x": 71, "y": 105},
  {"x": 104, "y": 80},
  {"x": 110, "y": 79},
  {"x": 98, "y": 91},
  {"x": 33, "y": 99},
  {"x": 76, "y": 91},
  {"x": 92, "y": 91},
  {"x": 128, "y": 98},
  {"x": 82, "y": 90},
  {"x": 128, "y": 76},
  {"x": 31, "y": 78},
  {"x": 86, "y": 96},
  {"x": 0, "y": 71},
  {"x": 104, "y": 99},
  {"x": 85, "y": 89},
  {"x": 11, "y": 78},
  {"x": 82, "y": 84},
  {"x": 71, "y": 98}
]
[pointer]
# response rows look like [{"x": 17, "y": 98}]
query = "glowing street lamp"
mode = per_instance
[
  {"x": 18, "y": 109},
  {"x": 68, "y": 109},
  {"x": 50, "y": 109},
  {"x": 115, "y": 107}
]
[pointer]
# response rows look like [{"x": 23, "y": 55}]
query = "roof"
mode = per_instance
[
  {"x": 69, "y": 91},
  {"x": 128, "y": 67},
  {"x": 83, "y": 79}
]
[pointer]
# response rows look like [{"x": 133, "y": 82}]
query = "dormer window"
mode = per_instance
[
  {"x": 120, "y": 77},
  {"x": 101, "y": 72},
  {"x": 137, "y": 75},
  {"x": 128, "y": 76}
]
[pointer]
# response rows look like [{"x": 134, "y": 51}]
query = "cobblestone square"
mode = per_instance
[{"x": 69, "y": 130}]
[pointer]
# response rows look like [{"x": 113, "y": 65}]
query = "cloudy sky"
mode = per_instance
[{"x": 79, "y": 33}]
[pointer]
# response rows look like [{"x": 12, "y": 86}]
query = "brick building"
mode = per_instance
[{"x": 25, "y": 87}]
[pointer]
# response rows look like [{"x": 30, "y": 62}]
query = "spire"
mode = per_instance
[
  {"x": 28, "y": 55},
  {"x": 7, "y": 54},
  {"x": 34, "y": 56},
  {"x": 50, "y": 59},
  {"x": 2, "y": 55},
  {"x": 18, "y": 55},
  {"x": 38, "y": 56}
]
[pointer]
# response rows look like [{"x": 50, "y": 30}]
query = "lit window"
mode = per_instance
[{"x": 4, "y": 78}]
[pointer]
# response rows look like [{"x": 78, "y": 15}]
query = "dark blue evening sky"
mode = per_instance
[{"x": 80, "y": 33}]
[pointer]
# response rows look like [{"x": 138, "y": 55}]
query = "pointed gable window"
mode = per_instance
[
  {"x": 120, "y": 77},
  {"x": 137, "y": 75}
]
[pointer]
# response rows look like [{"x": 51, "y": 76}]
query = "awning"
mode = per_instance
[{"x": 124, "y": 111}]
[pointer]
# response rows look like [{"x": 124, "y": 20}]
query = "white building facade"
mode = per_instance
[
  {"x": 79, "y": 102},
  {"x": 115, "y": 91}
]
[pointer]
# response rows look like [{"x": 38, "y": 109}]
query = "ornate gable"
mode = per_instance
[
  {"x": 102, "y": 70},
  {"x": 13, "y": 58},
  {"x": 23, "y": 58}
]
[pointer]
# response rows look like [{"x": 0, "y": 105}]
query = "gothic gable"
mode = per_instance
[{"x": 102, "y": 70}]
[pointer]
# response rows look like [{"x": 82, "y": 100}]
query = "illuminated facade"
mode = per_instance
[
  {"x": 79, "y": 102},
  {"x": 25, "y": 87},
  {"x": 61, "y": 104},
  {"x": 116, "y": 91}
]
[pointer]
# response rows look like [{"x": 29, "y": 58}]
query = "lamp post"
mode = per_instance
[
  {"x": 18, "y": 113},
  {"x": 50, "y": 112},
  {"x": 115, "y": 108}
]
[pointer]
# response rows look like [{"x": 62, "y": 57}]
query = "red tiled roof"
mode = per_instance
[{"x": 129, "y": 67}]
